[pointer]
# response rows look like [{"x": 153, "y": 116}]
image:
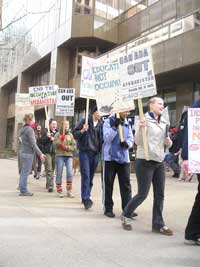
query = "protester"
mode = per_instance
[
  {"x": 153, "y": 170},
  {"x": 37, "y": 163},
  {"x": 46, "y": 141},
  {"x": 89, "y": 141},
  {"x": 116, "y": 161},
  {"x": 27, "y": 149},
  {"x": 65, "y": 145},
  {"x": 174, "y": 151},
  {"x": 192, "y": 230}
]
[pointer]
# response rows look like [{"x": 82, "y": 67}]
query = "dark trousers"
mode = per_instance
[
  {"x": 192, "y": 230},
  {"x": 111, "y": 168},
  {"x": 148, "y": 172},
  {"x": 88, "y": 165},
  {"x": 174, "y": 163}
]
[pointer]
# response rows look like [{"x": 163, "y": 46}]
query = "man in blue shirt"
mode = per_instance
[{"x": 116, "y": 160}]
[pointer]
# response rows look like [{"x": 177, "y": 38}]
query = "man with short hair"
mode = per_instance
[{"x": 89, "y": 142}]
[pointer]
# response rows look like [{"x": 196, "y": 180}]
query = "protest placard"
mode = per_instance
[
  {"x": 22, "y": 106},
  {"x": 43, "y": 95},
  {"x": 65, "y": 101},
  {"x": 193, "y": 140},
  {"x": 87, "y": 89},
  {"x": 107, "y": 83},
  {"x": 137, "y": 74}
]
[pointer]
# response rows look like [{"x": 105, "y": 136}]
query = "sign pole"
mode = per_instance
[
  {"x": 87, "y": 110},
  {"x": 121, "y": 136},
  {"x": 64, "y": 121},
  {"x": 144, "y": 130}
]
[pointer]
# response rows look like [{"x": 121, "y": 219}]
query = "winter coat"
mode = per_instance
[
  {"x": 27, "y": 141},
  {"x": 90, "y": 140},
  {"x": 45, "y": 142},
  {"x": 156, "y": 134},
  {"x": 69, "y": 143}
]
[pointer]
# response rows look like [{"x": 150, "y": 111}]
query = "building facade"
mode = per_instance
[{"x": 44, "y": 44}]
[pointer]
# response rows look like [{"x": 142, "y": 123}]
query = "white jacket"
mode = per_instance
[{"x": 156, "y": 134}]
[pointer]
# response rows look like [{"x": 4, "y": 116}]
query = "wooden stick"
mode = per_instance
[
  {"x": 64, "y": 121},
  {"x": 121, "y": 136},
  {"x": 144, "y": 130},
  {"x": 47, "y": 118},
  {"x": 87, "y": 110}
]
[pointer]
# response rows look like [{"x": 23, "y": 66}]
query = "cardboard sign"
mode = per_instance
[
  {"x": 194, "y": 140},
  {"x": 107, "y": 83},
  {"x": 87, "y": 89},
  {"x": 65, "y": 101},
  {"x": 137, "y": 74},
  {"x": 43, "y": 95},
  {"x": 22, "y": 106}
]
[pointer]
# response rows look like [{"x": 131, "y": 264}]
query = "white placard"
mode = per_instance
[
  {"x": 43, "y": 95},
  {"x": 137, "y": 74},
  {"x": 65, "y": 101},
  {"x": 22, "y": 106},
  {"x": 107, "y": 84},
  {"x": 87, "y": 82},
  {"x": 194, "y": 140}
]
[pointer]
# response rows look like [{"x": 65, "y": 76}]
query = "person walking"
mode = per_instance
[
  {"x": 28, "y": 147},
  {"x": 192, "y": 230},
  {"x": 46, "y": 142},
  {"x": 116, "y": 161},
  {"x": 65, "y": 145},
  {"x": 89, "y": 141},
  {"x": 153, "y": 170},
  {"x": 37, "y": 163}
]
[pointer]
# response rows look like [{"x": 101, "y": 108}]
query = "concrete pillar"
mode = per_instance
[
  {"x": 3, "y": 116},
  {"x": 184, "y": 97}
]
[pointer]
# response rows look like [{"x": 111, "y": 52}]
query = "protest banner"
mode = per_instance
[
  {"x": 43, "y": 95},
  {"x": 107, "y": 83},
  {"x": 87, "y": 82},
  {"x": 22, "y": 106},
  {"x": 65, "y": 101},
  {"x": 193, "y": 140},
  {"x": 137, "y": 74}
]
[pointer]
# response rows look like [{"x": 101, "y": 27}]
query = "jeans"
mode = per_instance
[
  {"x": 26, "y": 166},
  {"x": 88, "y": 165},
  {"x": 148, "y": 172},
  {"x": 60, "y": 162}
]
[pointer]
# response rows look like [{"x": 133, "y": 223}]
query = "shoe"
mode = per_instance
[
  {"x": 38, "y": 175},
  {"x": 26, "y": 194},
  {"x": 176, "y": 175},
  {"x": 192, "y": 242},
  {"x": 69, "y": 194},
  {"x": 126, "y": 223},
  {"x": 133, "y": 215},
  {"x": 163, "y": 231},
  {"x": 50, "y": 190},
  {"x": 60, "y": 195},
  {"x": 87, "y": 203},
  {"x": 109, "y": 214}
]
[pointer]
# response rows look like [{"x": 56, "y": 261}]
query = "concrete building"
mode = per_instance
[{"x": 48, "y": 38}]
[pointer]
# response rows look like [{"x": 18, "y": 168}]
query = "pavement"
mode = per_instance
[{"x": 45, "y": 230}]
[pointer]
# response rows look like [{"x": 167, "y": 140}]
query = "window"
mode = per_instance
[{"x": 83, "y": 7}]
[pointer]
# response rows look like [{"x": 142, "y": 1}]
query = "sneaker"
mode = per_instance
[
  {"x": 38, "y": 175},
  {"x": 87, "y": 203},
  {"x": 109, "y": 214},
  {"x": 50, "y": 190},
  {"x": 26, "y": 194},
  {"x": 69, "y": 194},
  {"x": 163, "y": 231},
  {"x": 133, "y": 215},
  {"x": 60, "y": 195},
  {"x": 126, "y": 223},
  {"x": 192, "y": 242}
]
